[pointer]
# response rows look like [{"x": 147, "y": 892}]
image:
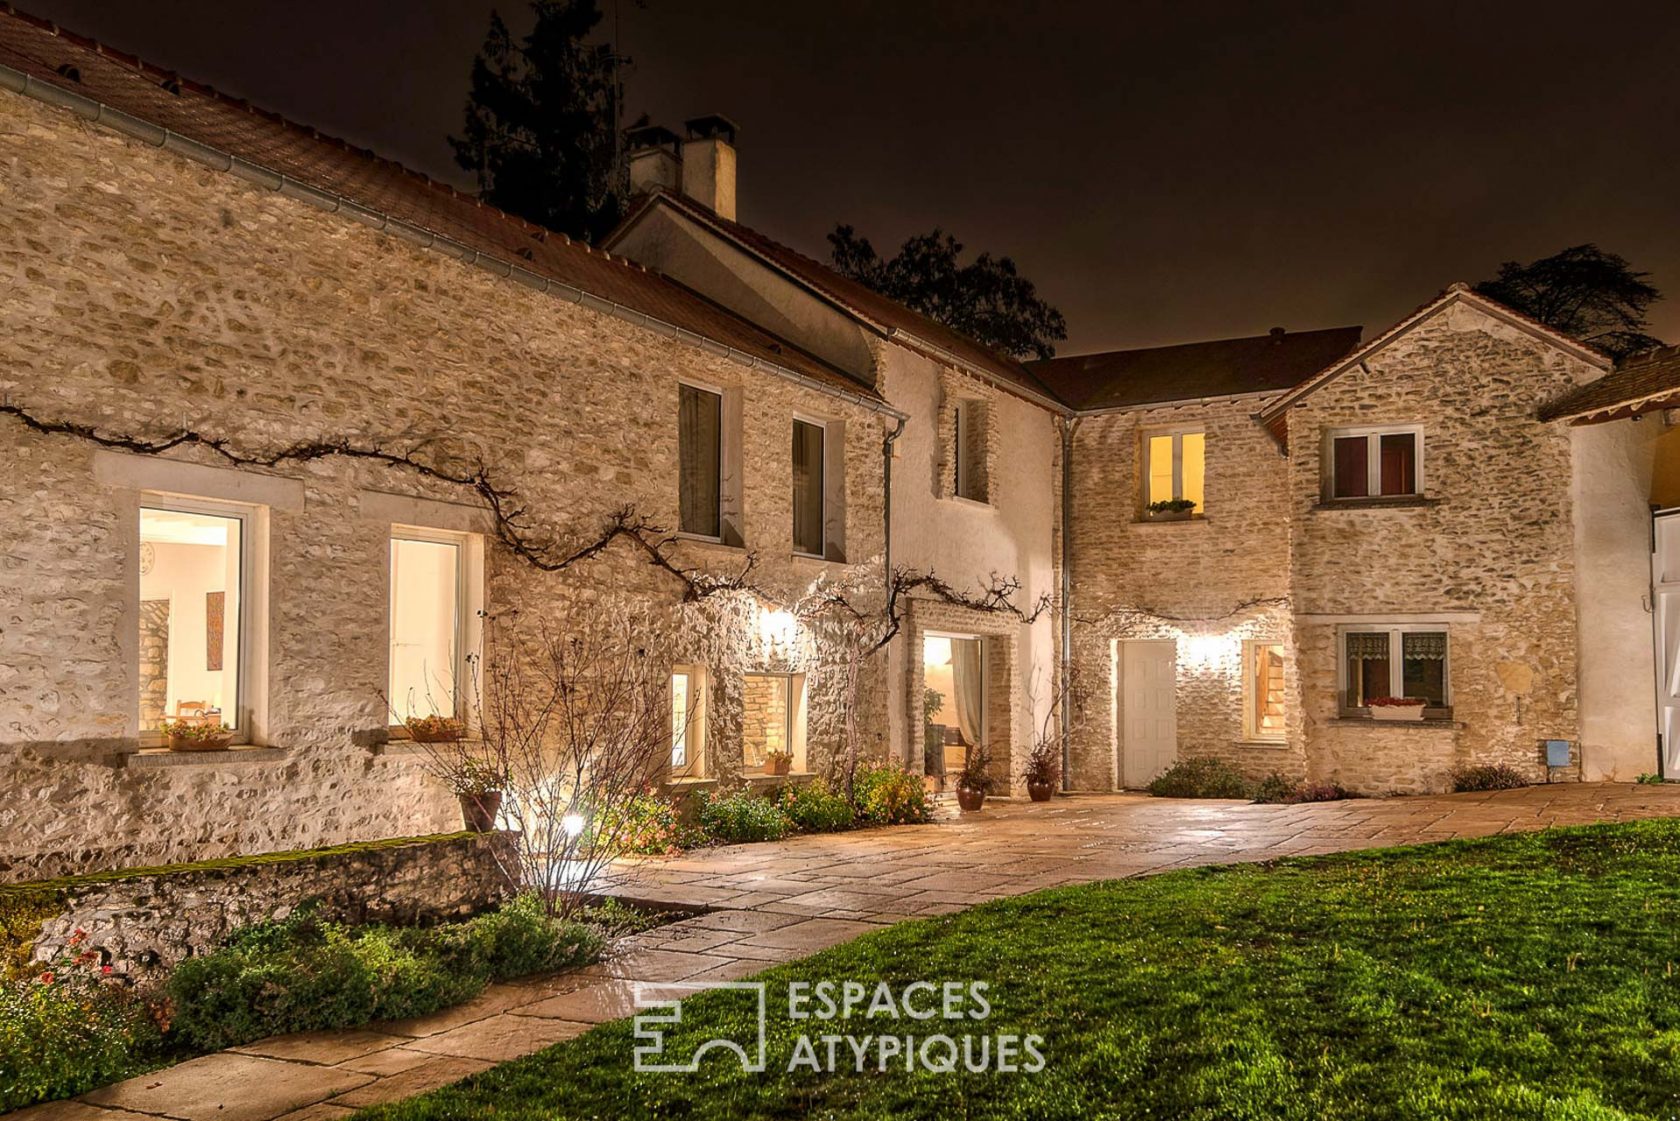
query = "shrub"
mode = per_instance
[
  {"x": 1649, "y": 780},
  {"x": 816, "y": 809},
  {"x": 886, "y": 794},
  {"x": 1200, "y": 778},
  {"x": 646, "y": 824},
  {"x": 1493, "y": 776},
  {"x": 301, "y": 974},
  {"x": 1275, "y": 788},
  {"x": 68, "y": 1028},
  {"x": 743, "y": 817}
]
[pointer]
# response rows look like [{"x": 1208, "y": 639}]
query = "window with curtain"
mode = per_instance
[
  {"x": 808, "y": 483},
  {"x": 1375, "y": 464},
  {"x": 700, "y": 461},
  {"x": 1381, "y": 662},
  {"x": 1174, "y": 468}
]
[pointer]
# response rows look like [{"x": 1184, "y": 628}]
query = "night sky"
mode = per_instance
[{"x": 1164, "y": 171}]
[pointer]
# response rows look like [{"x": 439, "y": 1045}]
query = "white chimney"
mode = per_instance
[
  {"x": 655, "y": 158},
  {"x": 708, "y": 164}
]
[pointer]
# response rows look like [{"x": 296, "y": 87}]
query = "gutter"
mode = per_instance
[{"x": 159, "y": 137}]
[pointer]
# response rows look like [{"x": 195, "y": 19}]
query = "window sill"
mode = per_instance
[
  {"x": 1194, "y": 519},
  {"x": 1274, "y": 745},
  {"x": 1398, "y": 502},
  {"x": 152, "y": 759},
  {"x": 812, "y": 558},
  {"x": 1368, "y": 722},
  {"x": 976, "y": 503},
  {"x": 709, "y": 542}
]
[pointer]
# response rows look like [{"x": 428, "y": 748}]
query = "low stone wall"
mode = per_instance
[{"x": 153, "y": 920}]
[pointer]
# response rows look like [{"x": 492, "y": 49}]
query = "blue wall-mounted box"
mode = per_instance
[{"x": 1557, "y": 753}]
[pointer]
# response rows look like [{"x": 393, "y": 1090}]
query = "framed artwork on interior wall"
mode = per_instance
[{"x": 215, "y": 605}]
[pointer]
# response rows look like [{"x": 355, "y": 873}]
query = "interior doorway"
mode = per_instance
[{"x": 954, "y": 722}]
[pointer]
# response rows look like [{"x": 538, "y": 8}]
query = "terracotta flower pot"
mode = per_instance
[
  {"x": 1040, "y": 790},
  {"x": 436, "y": 735},
  {"x": 969, "y": 798},
  {"x": 778, "y": 764},
  {"x": 478, "y": 811}
]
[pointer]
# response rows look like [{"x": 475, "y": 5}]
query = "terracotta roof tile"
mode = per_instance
[
  {"x": 1117, "y": 379},
  {"x": 1643, "y": 383},
  {"x": 40, "y": 50}
]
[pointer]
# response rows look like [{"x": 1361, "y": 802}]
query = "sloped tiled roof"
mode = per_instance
[
  {"x": 1118, "y": 379},
  {"x": 1643, "y": 383},
  {"x": 888, "y": 316},
  {"x": 51, "y": 56}
]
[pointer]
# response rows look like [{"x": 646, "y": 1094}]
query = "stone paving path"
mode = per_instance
[{"x": 779, "y": 902}]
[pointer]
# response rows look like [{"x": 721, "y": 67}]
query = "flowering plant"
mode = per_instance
[
  {"x": 1397, "y": 702},
  {"x": 435, "y": 729},
  {"x": 196, "y": 734}
]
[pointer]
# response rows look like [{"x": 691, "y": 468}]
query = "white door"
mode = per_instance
[
  {"x": 1148, "y": 709},
  {"x": 1665, "y": 620}
]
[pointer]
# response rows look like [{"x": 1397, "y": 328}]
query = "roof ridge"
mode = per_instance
[{"x": 1185, "y": 345}]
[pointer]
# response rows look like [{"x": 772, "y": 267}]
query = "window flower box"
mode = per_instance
[
  {"x": 1397, "y": 708},
  {"x": 1170, "y": 510}
]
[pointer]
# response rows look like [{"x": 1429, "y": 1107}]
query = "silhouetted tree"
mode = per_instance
[
  {"x": 986, "y": 299},
  {"x": 1584, "y": 292},
  {"x": 541, "y": 122}
]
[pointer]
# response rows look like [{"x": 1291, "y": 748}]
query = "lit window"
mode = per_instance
[
  {"x": 1263, "y": 690},
  {"x": 1371, "y": 671},
  {"x": 1376, "y": 464},
  {"x": 809, "y": 515},
  {"x": 427, "y": 603},
  {"x": 700, "y": 461},
  {"x": 688, "y": 721},
  {"x": 972, "y": 424},
  {"x": 1173, "y": 471},
  {"x": 772, "y": 720},
  {"x": 193, "y": 617}
]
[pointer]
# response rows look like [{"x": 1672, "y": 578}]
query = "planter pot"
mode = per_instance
[
  {"x": 1040, "y": 791},
  {"x": 215, "y": 743},
  {"x": 1396, "y": 712},
  {"x": 478, "y": 811},
  {"x": 970, "y": 799},
  {"x": 778, "y": 765},
  {"x": 1170, "y": 515}
]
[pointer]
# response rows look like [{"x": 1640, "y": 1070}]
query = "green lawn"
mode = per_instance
[{"x": 1528, "y": 976}]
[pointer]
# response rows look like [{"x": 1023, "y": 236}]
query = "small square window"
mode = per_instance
[
  {"x": 1376, "y": 464},
  {"x": 1381, "y": 663}
]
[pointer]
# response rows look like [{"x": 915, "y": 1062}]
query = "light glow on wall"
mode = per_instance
[
  {"x": 777, "y": 628},
  {"x": 1203, "y": 651}
]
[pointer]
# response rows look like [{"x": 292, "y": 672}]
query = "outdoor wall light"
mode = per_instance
[
  {"x": 1204, "y": 650},
  {"x": 572, "y": 824}
]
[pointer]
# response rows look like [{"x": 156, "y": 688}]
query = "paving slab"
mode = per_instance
[
  {"x": 501, "y": 1037},
  {"x": 440, "y": 1071},
  {"x": 228, "y": 1086},
  {"x": 327, "y": 1048}
]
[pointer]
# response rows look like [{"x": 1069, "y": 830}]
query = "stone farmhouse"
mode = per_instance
[{"x": 1234, "y": 548}]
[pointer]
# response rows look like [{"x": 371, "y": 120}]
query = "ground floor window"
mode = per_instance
[
  {"x": 427, "y": 627},
  {"x": 688, "y": 722},
  {"x": 192, "y": 617},
  {"x": 1263, "y": 691},
  {"x": 1381, "y": 662},
  {"x": 772, "y": 722},
  {"x": 953, "y": 700}
]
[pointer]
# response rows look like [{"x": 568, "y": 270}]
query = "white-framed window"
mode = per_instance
[
  {"x": 971, "y": 476},
  {"x": 428, "y": 623},
  {"x": 1174, "y": 471},
  {"x": 197, "y": 587},
  {"x": 1263, "y": 692},
  {"x": 772, "y": 719},
  {"x": 1374, "y": 462},
  {"x": 688, "y": 721},
  {"x": 1384, "y": 660}
]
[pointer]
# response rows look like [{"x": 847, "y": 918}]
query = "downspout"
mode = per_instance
[
  {"x": 886, "y": 492},
  {"x": 1066, "y": 715}
]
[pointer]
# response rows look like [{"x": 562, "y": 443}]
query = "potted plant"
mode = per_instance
[
  {"x": 778, "y": 762},
  {"x": 1170, "y": 510},
  {"x": 479, "y": 788},
  {"x": 184, "y": 735},
  {"x": 975, "y": 780},
  {"x": 1044, "y": 768},
  {"x": 1396, "y": 708},
  {"x": 435, "y": 729}
]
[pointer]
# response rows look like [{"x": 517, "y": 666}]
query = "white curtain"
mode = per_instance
[{"x": 965, "y": 671}]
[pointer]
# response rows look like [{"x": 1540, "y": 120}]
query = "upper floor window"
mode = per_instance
[
  {"x": 428, "y": 602},
  {"x": 1388, "y": 662},
  {"x": 973, "y": 424},
  {"x": 194, "y": 619},
  {"x": 1173, "y": 472},
  {"x": 700, "y": 461},
  {"x": 1376, "y": 463}
]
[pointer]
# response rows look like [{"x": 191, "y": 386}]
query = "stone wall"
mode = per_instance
[
  {"x": 1489, "y": 551},
  {"x": 1208, "y": 583},
  {"x": 153, "y": 922},
  {"x": 138, "y": 291}
]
